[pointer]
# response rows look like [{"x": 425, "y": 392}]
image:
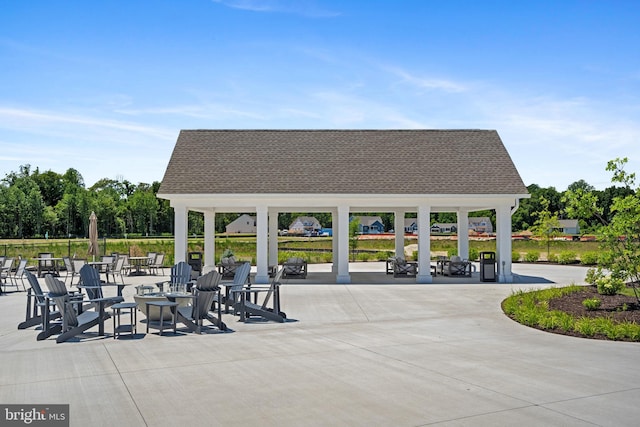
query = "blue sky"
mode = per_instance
[{"x": 105, "y": 86}]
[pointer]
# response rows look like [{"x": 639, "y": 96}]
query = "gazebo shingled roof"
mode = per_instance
[{"x": 341, "y": 162}]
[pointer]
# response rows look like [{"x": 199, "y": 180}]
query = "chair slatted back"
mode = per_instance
[
  {"x": 180, "y": 273},
  {"x": 207, "y": 287},
  {"x": 239, "y": 280},
  {"x": 35, "y": 286},
  {"x": 69, "y": 315},
  {"x": 90, "y": 277}
]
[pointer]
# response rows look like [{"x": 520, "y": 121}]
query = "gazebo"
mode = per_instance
[{"x": 344, "y": 172}]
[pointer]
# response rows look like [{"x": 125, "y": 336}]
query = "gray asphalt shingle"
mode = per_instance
[{"x": 341, "y": 162}]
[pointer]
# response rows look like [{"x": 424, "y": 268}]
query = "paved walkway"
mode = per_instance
[{"x": 351, "y": 355}]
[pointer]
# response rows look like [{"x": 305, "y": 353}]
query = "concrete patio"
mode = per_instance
[{"x": 369, "y": 353}]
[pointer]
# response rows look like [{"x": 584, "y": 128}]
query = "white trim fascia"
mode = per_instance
[{"x": 364, "y": 202}]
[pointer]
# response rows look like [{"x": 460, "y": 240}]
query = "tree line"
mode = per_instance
[{"x": 35, "y": 204}]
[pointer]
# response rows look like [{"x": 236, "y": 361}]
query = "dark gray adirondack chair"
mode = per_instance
[
  {"x": 74, "y": 320},
  {"x": 233, "y": 293},
  {"x": 206, "y": 292},
  {"x": 36, "y": 304},
  {"x": 90, "y": 279},
  {"x": 180, "y": 275},
  {"x": 52, "y": 324},
  {"x": 247, "y": 308}
]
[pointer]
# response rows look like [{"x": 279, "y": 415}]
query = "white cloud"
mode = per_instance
[
  {"x": 429, "y": 83},
  {"x": 40, "y": 121},
  {"x": 306, "y": 8}
]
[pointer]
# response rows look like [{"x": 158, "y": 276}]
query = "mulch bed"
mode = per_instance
[{"x": 613, "y": 306}]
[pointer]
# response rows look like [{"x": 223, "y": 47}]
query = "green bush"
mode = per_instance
[
  {"x": 532, "y": 256},
  {"x": 474, "y": 254},
  {"x": 609, "y": 285},
  {"x": 552, "y": 258},
  {"x": 592, "y": 304},
  {"x": 515, "y": 256},
  {"x": 567, "y": 257},
  {"x": 593, "y": 275},
  {"x": 589, "y": 258}
]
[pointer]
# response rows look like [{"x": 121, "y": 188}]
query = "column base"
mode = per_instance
[
  {"x": 343, "y": 279},
  {"x": 505, "y": 278},
  {"x": 420, "y": 278}
]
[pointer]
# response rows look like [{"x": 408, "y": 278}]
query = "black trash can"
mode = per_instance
[
  {"x": 195, "y": 261},
  {"x": 487, "y": 266}
]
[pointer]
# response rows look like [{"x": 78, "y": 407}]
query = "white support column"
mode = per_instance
[
  {"x": 341, "y": 233},
  {"x": 262, "y": 241},
  {"x": 334, "y": 242},
  {"x": 180, "y": 233},
  {"x": 273, "y": 237},
  {"x": 398, "y": 226},
  {"x": 503, "y": 244},
  {"x": 463, "y": 233},
  {"x": 209, "y": 241},
  {"x": 424, "y": 245}
]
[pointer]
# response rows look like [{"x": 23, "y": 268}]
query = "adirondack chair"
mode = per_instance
[
  {"x": 36, "y": 304},
  {"x": 247, "y": 308},
  {"x": 73, "y": 321},
  {"x": 93, "y": 287},
  {"x": 206, "y": 293},
  {"x": 240, "y": 278},
  {"x": 52, "y": 322},
  {"x": 180, "y": 278}
]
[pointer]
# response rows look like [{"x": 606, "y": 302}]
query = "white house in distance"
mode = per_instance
[
  {"x": 479, "y": 224},
  {"x": 245, "y": 223},
  {"x": 304, "y": 225},
  {"x": 261, "y": 171},
  {"x": 369, "y": 224}
]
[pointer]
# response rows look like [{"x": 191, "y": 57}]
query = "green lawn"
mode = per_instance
[{"x": 316, "y": 249}]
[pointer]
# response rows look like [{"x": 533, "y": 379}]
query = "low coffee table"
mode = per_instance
[{"x": 161, "y": 305}]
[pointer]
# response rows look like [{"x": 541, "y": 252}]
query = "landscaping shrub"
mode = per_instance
[
  {"x": 592, "y": 304},
  {"x": 589, "y": 258},
  {"x": 567, "y": 257},
  {"x": 515, "y": 256},
  {"x": 552, "y": 258},
  {"x": 532, "y": 256},
  {"x": 474, "y": 254},
  {"x": 609, "y": 285}
]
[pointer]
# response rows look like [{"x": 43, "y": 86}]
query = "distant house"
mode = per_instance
[
  {"x": 305, "y": 225},
  {"x": 369, "y": 224},
  {"x": 480, "y": 224},
  {"x": 569, "y": 226},
  {"x": 243, "y": 224},
  {"x": 442, "y": 227},
  {"x": 411, "y": 225}
]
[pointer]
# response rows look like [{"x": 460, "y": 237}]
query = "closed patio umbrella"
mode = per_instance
[{"x": 93, "y": 235}]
